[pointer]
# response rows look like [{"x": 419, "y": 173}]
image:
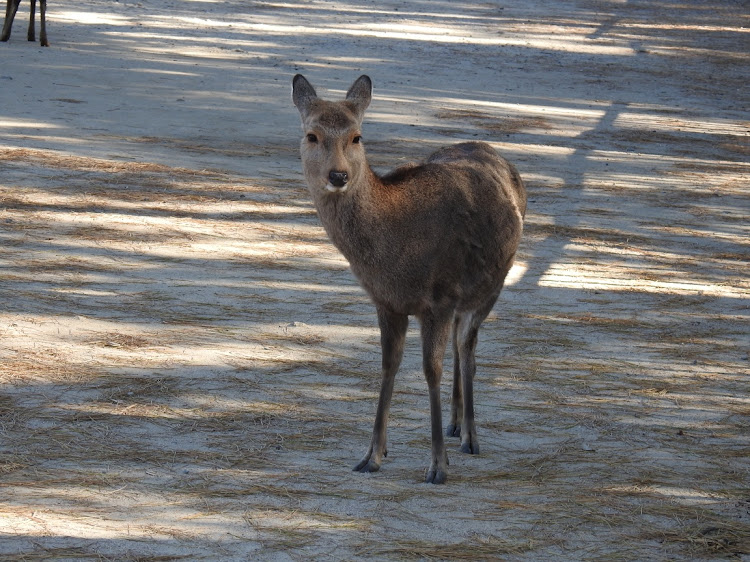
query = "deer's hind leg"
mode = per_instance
[
  {"x": 457, "y": 401},
  {"x": 43, "y": 23},
  {"x": 31, "y": 34},
  {"x": 466, "y": 332}
]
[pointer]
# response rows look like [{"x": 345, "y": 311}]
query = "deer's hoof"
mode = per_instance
[
  {"x": 367, "y": 465},
  {"x": 436, "y": 476},
  {"x": 470, "y": 447},
  {"x": 453, "y": 430},
  {"x": 438, "y": 471}
]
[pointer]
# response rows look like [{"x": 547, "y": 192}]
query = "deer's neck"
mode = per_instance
[{"x": 353, "y": 219}]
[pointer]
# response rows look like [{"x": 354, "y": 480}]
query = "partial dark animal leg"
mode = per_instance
[
  {"x": 467, "y": 347},
  {"x": 435, "y": 328},
  {"x": 43, "y": 23},
  {"x": 392, "y": 337},
  {"x": 457, "y": 401},
  {"x": 468, "y": 330},
  {"x": 11, "y": 7},
  {"x": 31, "y": 35}
]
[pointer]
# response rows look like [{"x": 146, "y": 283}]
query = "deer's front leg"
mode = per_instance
[
  {"x": 10, "y": 13},
  {"x": 392, "y": 336},
  {"x": 435, "y": 328}
]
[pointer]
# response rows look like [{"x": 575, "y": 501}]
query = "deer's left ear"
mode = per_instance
[
  {"x": 360, "y": 94},
  {"x": 303, "y": 94}
]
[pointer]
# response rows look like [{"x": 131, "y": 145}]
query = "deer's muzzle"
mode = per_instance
[{"x": 337, "y": 181}]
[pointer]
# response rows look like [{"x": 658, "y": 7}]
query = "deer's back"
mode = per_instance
[{"x": 445, "y": 230}]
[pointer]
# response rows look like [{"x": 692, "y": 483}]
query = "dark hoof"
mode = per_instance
[
  {"x": 436, "y": 477},
  {"x": 453, "y": 430},
  {"x": 470, "y": 448},
  {"x": 366, "y": 465}
]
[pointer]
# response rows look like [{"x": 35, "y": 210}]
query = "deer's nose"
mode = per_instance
[{"x": 338, "y": 179}]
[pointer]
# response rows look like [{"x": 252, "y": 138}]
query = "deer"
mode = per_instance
[
  {"x": 11, "y": 7},
  {"x": 434, "y": 240}
]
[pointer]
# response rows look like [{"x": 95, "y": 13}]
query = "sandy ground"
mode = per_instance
[{"x": 189, "y": 370}]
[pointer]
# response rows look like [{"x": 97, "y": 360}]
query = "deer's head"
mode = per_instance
[{"x": 333, "y": 156}]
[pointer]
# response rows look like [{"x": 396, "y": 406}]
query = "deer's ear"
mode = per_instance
[
  {"x": 303, "y": 94},
  {"x": 360, "y": 94}
]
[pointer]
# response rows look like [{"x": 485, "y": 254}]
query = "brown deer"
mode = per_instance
[
  {"x": 11, "y": 7},
  {"x": 434, "y": 240}
]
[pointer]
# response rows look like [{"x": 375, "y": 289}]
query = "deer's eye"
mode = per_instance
[
  {"x": 357, "y": 139},
  {"x": 312, "y": 138}
]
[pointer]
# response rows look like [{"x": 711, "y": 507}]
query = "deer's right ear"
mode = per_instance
[{"x": 303, "y": 94}]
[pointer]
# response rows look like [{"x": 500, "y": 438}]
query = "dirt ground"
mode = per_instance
[{"x": 189, "y": 370}]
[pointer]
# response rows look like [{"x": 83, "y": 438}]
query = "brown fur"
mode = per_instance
[
  {"x": 434, "y": 240},
  {"x": 11, "y": 7}
]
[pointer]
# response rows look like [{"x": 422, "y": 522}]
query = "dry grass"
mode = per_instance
[
  {"x": 485, "y": 548},
  {"x": 495, "y": 125},
  {"x": 56, "y": 160},
  {"x": 708, "y": 539}
]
